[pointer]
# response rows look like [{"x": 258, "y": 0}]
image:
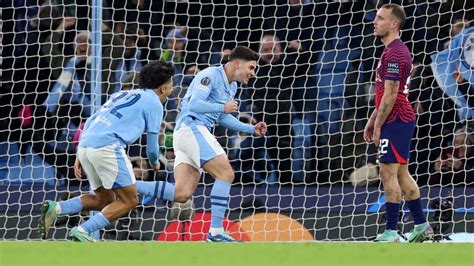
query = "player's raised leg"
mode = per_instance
[
  {"x": 411, "y": 192},
  {"x": 393, "y": 196}
]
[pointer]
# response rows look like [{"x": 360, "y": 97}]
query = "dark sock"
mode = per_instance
[
  {"x": 416, "y": 211},
  {"x": 392, "y": 211}
]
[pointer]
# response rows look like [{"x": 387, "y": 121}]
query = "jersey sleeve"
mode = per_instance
[
  {"x": 153, "y": 118},
  {"x": 152, "y": 149},
  {"x": 392, "y": 67},
  {"x": 200, "y": 92},
  {"x": 229, "y": 121}
]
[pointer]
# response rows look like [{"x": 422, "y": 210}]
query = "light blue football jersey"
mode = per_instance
[
  {"x": 206, "y": 96},
  {"x": 123, "y": 118}
]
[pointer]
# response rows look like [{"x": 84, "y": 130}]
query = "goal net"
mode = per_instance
[{"x": 311, "y": 178}]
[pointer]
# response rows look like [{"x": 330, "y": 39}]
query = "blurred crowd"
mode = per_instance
[{"x": 314, "y": 84}]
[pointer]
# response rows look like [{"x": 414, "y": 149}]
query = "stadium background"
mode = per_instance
[{"x": 318, "y": 106}]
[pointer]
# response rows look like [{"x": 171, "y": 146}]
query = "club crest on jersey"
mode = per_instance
[
  {"x": 205, "y": 81},
  {"x": 393, "y": 67}
]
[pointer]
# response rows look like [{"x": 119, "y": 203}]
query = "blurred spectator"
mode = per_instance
[
  {"x": 171, "y": 106},
  {"x": 174, "y": 46},
  {"x": 131, "y": 81},
  {"x": 70, "y": 97},
  {"x": 133, "y": 58},
  {"x": 57, "y": 123},
  {"x": 191, "y": 50},
  {"x": 141, "y": 169},
  {"x": 278, "y": 71},
  {"x": 295, "y": 20},
  {"x": 201, "y": 49},
  {"x": 458, "y": 24},
  {"x": 455, "y": 76},
  {"x": 147, "y": 17},
  {"x": 167, "y": 156},
  {"x": 435, "y": 117},
  {"x": 455, "y": 165},
  {"x": 31, "y": 78},
  {"x": 250, "y": 158},
  {"x": 58, "y": 45},
  {"x": 465, "y": 88},
  {"x": 417, "y": 33}
]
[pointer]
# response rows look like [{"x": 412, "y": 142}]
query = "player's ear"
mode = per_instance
[
  {"x": 236, "y": 64},
  {"x": 161, "y": 89}
]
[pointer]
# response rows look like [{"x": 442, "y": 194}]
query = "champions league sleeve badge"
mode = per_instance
[{"x": 205, "y": 81}]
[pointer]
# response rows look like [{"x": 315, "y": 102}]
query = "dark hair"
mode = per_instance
[
  {"x": 243, "y": 53},
  {"x": 155, "y": 74},
  {"x": 461, "y": 16},
  {"x": 49, "y": 17},
  {"x": 398, "y": 12}
]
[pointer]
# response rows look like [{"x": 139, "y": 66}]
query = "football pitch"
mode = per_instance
[{"x": 188, "y": 253}]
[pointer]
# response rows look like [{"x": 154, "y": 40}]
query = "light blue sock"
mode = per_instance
[
  {"x": 71, "y": 206},
  {"x": 157, "y": 189},
  {"x": 219, "y": 201},
  {"x": 96, "y": 222}
]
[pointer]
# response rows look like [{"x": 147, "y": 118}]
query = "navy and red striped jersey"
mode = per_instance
[{"x": 395, "y": 64}]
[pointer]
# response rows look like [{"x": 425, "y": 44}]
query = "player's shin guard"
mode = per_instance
[
  {"x": 392, "y": 211},
  {"x": 416, "y": 211},
  {"x": 70, "y": 206},
  {"x": 219, "y": 200},
  {"x": 95, "y": 223}
]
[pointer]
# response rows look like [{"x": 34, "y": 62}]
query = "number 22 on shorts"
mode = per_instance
[{"x": 383, "y": 147}]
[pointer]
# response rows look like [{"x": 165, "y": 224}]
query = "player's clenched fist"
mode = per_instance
[
  {"x": 231, "y": 107},
  {"x": 260, "y": 129}
]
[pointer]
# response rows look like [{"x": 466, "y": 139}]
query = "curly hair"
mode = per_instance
[{"x": 155, "y": 74}]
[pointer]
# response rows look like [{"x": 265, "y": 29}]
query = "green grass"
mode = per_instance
[{"x": 194, "y": 254}]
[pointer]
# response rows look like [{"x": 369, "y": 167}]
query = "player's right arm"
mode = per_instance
[
  {"x": 369, "y": 128},
  {"x": 198, "y": 103},
  {"x": 386, "y": 105}
]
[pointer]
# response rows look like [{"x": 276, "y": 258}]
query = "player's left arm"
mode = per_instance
[
  {"x": 229, "y": 121},
  {"x": 152, "y": 150},
  {"x": 153, "y": 120}
]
